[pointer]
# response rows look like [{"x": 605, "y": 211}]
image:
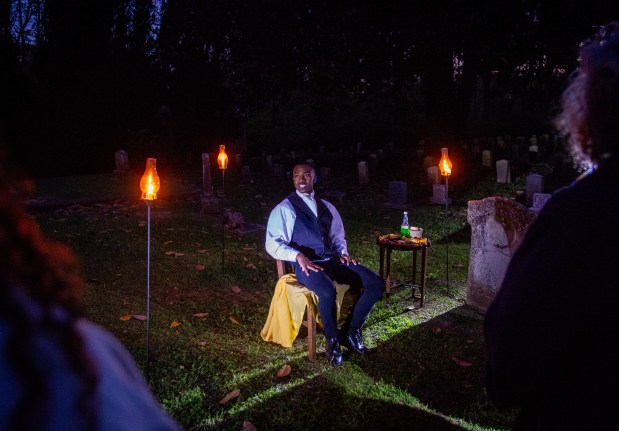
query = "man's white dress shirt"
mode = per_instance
[{"x": 281, "y": 224}]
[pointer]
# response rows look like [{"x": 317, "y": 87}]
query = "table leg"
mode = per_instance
[
  {"x": 382, "y": 259},
  {"x": 388, "y": 277},
  {"x": 414, "y": 266},
  {"x": 422, "y": 282}
]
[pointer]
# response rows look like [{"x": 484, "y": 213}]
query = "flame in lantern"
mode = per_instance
[
  {"x": 149, "y": 184},
  {"x": 222, "y": 158},
  {"x": 445, "y": 163}
]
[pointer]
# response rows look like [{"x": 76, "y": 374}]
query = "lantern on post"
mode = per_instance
[
  {"x": 222, "y": 162},
  {"x": 445, "y": 167},
  {"x": 149, "y": 185}
]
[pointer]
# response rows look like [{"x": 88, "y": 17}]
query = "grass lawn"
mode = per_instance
[{"x": 427, "y": 371}]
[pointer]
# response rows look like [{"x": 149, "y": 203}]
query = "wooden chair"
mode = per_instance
[{"x": 285, "y": 267}]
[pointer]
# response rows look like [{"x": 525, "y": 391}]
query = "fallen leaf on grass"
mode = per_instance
[
  {"x": 235, "y": 289},
  {"x": 460, "y": 362},
  {"x": 458, "y": 266},
  {"x": 139, "y": 316},
  {"x": 437, "y": 330},
  {"x": 201, "y": 343},
  {"x": 231, "y": 395},
  {"x": 126, "y": 317},
  {"x": 250, "y": 266},
  {"x": 167, "y": 242},
  {"x": 200, "y": 267},
  {"x": 202, "y": 251},
  {"x": 200, "y": 314},
  {"x": 233, "y": 320},
  {"x": 284, "y": 371},
  {"x": 248, "y": 426},
  {"x": 168, "y": 253},
  {"x": 174, "y": 324}
]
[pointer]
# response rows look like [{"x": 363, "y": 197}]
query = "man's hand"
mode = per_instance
[
  {"x": 306, "y": 264},
  {"x": 347, "y": 260}
]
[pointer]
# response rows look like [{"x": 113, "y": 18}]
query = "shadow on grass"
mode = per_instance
[{"x": 441, "y": 363}]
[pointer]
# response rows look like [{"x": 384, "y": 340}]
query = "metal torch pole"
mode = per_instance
[
  {"x": 148, "y": 204},
  {"x": 447, "y": 229},
  {"x": 223, "y": 219}
]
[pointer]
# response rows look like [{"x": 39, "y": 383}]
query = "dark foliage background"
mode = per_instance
[{"x": 81, "y": 79}]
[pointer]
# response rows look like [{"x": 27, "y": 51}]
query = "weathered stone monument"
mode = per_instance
[
  {"x": 486, "y": 158},
  {"x": 498, "y": 226},
  {"x": 503, "y": 174},
  {"x": 534, "y": 183},
  {"x": 439, "y": 194},
  {"x": 433, "y": 175},
  {"x": 122, "y": 162},
  {"x": 208, "y": 201},
  {"x": 539, "y": 200},
  {"x": 428, "y": 161},
  {"x": 398, "y": 194},
  {"x": 364, "y": 173}
]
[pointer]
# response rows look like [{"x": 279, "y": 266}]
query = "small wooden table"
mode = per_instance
[{"x": 390, "y": 244}]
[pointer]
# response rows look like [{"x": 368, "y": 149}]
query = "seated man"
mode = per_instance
[{"x": 308, "y": 231}]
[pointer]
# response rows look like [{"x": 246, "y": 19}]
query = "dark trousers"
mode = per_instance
[{"x": 361, "y": 279}]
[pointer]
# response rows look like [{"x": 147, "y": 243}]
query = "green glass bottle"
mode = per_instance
[{"x": 405, "y": 227}]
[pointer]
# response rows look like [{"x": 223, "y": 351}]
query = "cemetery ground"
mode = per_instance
[{"x": 209, "y": 366}]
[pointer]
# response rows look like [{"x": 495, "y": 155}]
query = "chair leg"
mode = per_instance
[{"x": 311, "y": 334}]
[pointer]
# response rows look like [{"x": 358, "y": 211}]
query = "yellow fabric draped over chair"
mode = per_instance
[{"x": 288, "y": 307}]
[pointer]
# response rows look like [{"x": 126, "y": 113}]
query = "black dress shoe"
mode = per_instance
[
  {"x": 353, "y": 342},
  {"x": 333, "y": 352}
]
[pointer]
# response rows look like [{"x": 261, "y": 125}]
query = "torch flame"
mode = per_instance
[
  {"x": 222, "y": 158},
  {"x": 149, "y": 184},
  {"x": 445, "y": 163}
]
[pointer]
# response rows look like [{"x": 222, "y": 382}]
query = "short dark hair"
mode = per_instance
[{"x": 589, "y": 114}]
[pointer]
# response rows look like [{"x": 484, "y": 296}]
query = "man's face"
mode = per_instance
[{"x": 304, "y": 177}]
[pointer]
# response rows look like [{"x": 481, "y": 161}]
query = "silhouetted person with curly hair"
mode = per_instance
[
  {"x": 551, "y": 331},
  {"x": 58, "y": 371}
]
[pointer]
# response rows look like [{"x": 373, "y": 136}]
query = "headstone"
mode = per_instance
[
  {"x": 373, "y": 162},
  {"x": 515, "y": 153},
  {"x": 534, "y": 183},
  {"x": 533, "y": 149},
  {"x": 539, "y": 200},
  {"x": 325, "y": 173},
  {"x": 398, "y": 194},
  {"x": 439, "y": 194},
  {"x": 364, "y": 173},
  {"x": 428, "y": 161},
  {"x": 503, "y": 174},
  {"x": 498, "y": 226},
  {"x": 122, "y": 162},
  {"x": 433, "y": 175},
  {"x": 208, "y": 201},
  {"x": 475, "y": 149},
  {"x": 278, "y": 170},
  {"x": 486, "y": 158},
  {"x": 246, "y": 174}
]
